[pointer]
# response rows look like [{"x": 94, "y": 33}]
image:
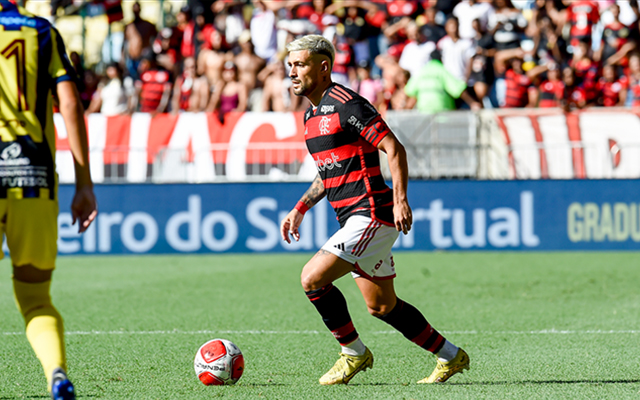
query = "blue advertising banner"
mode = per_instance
[{"x": 454, "y": 215}]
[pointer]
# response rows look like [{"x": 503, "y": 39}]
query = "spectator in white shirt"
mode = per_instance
[
  {"x": 112, "y": 96},
  {"x": 456, "y": 52},
  {"x": 417, "y": 53},
  {"x": 469, "y": 10},
  {"x": 263, "y": 29}
]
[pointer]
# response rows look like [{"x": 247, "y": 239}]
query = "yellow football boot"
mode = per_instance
[
  {"x": 346, "y": 368},
  {"x": 445, "y": 370}
]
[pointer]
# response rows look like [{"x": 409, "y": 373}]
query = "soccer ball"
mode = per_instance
[{"x": 219, "y": 362}]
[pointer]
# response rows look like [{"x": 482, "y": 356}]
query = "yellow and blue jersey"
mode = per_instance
[{"x": 32, "y": 62}]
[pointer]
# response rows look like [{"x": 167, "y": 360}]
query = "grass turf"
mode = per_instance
[{"x": 536, "y": 325}]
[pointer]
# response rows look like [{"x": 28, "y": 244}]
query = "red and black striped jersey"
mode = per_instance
[
  {"x": 342, "y": 134},
  {"x": 152, "y": 83},
  {"x": 518, "y": 86},
  {"x": 551, "y": 93}
]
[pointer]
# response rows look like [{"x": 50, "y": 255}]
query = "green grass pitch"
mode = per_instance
[{"x": 536, "y": 325}]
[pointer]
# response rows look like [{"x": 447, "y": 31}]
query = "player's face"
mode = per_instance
[{"x": 304, "y": 72}]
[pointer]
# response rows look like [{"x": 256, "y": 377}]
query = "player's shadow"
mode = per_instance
[{"x": 548, "y": 382}]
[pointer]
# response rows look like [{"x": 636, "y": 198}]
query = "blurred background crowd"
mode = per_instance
[{"x": 431, "y": 55}]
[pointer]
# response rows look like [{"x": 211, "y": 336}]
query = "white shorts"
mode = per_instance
[{"x": 366, "y": 244}]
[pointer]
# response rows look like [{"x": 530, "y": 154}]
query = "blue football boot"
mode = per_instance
[{"x": 62, "y": 388}]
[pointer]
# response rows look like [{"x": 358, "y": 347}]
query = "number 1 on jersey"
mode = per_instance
[{"x": 17, "y": 49}]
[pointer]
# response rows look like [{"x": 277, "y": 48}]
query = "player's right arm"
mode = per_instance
[
  {"x": 83, "y": 207},
  {"x": 310, "y": 198}
]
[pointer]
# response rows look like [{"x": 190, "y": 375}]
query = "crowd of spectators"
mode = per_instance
[{"x": 432, "y": 55}]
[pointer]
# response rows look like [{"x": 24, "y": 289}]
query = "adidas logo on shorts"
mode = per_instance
[{"x": 339, "y": 246}]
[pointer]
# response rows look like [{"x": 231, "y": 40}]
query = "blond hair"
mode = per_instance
[{"x": 315, "y": 44}]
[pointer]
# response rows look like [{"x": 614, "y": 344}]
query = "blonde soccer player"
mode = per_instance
[{"x": 344, "y": 132}]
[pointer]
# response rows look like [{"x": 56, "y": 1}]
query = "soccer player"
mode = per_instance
[
  {"x": 344, "y": 132},
  {"x": 33, "y": 65}
]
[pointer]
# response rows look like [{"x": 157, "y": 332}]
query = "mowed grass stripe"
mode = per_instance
[{"x": 536, "y": 325}]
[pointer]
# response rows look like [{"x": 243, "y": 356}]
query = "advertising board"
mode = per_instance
[{"x": 448, "y": 215}]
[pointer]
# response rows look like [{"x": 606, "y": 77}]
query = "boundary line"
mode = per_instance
[{"x": 314, "y": 332}]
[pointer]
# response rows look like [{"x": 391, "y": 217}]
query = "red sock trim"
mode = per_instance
[
  {"x": 316, "y": 294},
  {"x": 422, "y": 338},
  {"x": 344, "y": 331},
  {"x": 437, "y": 345}
]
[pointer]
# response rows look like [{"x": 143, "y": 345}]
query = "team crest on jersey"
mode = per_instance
[
  {"x": 324, "y": 125},
  {"x": 326, "y": 109}
]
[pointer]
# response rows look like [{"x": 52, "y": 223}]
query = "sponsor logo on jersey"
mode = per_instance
[
  {"x": 11, "y": 155},
  {"x": 11, "y": 22},
  {"x": 327, "y": 109},
  {"x": 328, "y": 163},
  {"x": 324, "y": 125},
  {"x": 356, "y": 122}
]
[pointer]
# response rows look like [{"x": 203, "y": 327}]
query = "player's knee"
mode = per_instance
[
  {"x": 30, "y": 274},
  {"x": 309, "y": 282},
  {"x": 31, "y": 297}
]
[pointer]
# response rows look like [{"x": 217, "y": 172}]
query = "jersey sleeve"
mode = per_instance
[
  {"x": 60, "y": 68},
  {"x": 364, "y": 120}
]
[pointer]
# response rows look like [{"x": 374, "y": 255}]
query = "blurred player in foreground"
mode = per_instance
[
  {"x": 344, "y": 132},
  {"x": 33, "y": 65}
]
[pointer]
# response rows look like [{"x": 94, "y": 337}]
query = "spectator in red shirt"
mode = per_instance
[
  {"x": 581, "y": 16},
  {"x": 611, "y": 89},
  {"x": 586, "y": 69},
  {"x": 398, "y": 9},
  {"x": 634, "y": 79},
  {"x": 520, "y": 91},
  {"x": 573, "y": 97},
  {"x": 552, "y": 89},
  {"x": 154, "y": 87},
  {"x": 343, "y": 64},
  {"x": 186, "y": 26}
]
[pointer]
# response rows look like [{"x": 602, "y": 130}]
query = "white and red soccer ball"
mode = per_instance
[{"x": 219, "y": 362}]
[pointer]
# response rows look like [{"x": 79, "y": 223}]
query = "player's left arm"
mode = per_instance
[
  {"x": 84, "y": 207},
  {"x": 377, "y": 133},
  {"x": 397, "y": 157}
]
